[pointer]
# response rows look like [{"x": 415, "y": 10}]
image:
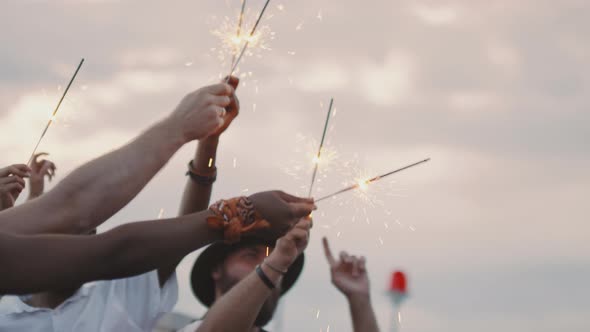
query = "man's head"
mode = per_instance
[{"x": 222, "y": 266}]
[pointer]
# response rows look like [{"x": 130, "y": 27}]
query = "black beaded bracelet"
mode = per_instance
[
  {"x": 201, "y": 179},
  {"x": 264, "y": 278}
]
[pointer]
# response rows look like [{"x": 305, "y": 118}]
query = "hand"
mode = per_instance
[
  {"x": 281, "y": 210},
  {"x": 11, "y": 184},
  {"x": 202, "y": 112},
  {"x": 40, "y": 169},
  {"x": 290, "y": 246},
  {"x": 349, "y": 274},
  {"x": 232, "y": 110}
]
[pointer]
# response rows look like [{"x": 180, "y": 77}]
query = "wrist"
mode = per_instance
[
  {"x": 174, "y": 131},
  {"x": 359, "y": 298},
  {"x": 280, "y": 261}
]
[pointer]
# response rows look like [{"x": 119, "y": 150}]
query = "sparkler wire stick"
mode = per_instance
[
  {"x": 315, "y": 169},
  {"x": 239, "y": 32},
  {"x": 235, "y": 64},
  {"x": 56, "y": 109},
  {"x": 379, "y": 177}
]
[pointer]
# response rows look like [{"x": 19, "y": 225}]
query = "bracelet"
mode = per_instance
[
  {"x": 264, "y": 278},
  {"x": 277, "y": 270},
  {"x": 205, "y": 180},
  {"x": 235, "y": 217}
]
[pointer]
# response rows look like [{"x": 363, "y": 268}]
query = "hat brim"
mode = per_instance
[{"x": 202, "y": 282}]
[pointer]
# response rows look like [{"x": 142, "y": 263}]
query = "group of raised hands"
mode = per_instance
[{"x": 98, "y": 189}]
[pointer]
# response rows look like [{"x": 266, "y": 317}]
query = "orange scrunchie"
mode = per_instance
[{"x": 235, "y": 217}]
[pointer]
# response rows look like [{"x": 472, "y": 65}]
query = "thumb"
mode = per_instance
[{"x": 302, "y": 209}]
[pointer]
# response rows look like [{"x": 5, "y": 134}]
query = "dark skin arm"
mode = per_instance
[
  {"x": 59, "y": 261},
  {"x": 39, "y": 262}
]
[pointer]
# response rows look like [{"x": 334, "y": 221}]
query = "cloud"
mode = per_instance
[{"x": 389, "y": 82}]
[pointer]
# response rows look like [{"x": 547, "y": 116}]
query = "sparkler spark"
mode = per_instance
[
  {"x": 250, "y": 35},
  {"x": 363, "y": 184},
  {"x": 52, "y": 118}
]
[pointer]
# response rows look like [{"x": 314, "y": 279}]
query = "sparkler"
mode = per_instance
[
  {"x": 237, "y": 60},
  {"x": 317, "y": 157},
  {"x": 55, "y": 111},
  {"x": 238, "y": 33},
  {"x": 364, "y": 184}
]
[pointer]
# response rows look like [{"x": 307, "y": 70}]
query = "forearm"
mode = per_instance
[
  {"x": 363, "y": 316},
  {"x": 197, "y": 196},
  {"x": 242, "y": 303},
  {"x": 58, "y": 261},
  {"x": 97, "y": 190}
]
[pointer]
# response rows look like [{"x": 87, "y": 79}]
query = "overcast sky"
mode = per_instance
[{"x": 493, "y": 232}]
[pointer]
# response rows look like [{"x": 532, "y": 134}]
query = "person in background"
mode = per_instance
[
  {"x": 349, "y": 276},
  {"x": 242, "y": 283}
]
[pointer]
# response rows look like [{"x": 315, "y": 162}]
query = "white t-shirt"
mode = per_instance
[{"x": 132, "y": 305}]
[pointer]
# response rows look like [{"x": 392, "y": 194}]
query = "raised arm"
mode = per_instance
[
  {"x": 349, "y": 275},
  {"x": 202, "y": 174},
  {"x": 243, "y": 302},
  {"x": 40, "y": 262},
  {"x": 97, "y": 190}
]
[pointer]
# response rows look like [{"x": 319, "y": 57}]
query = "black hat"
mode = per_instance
[{"x": 202, "y": 283}]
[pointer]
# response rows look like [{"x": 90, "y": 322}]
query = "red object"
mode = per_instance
[{"x": 398, "y": 282}]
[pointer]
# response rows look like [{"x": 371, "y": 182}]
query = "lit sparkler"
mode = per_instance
[
  {"x": 238, "y": 33},
  {"x": 316, "y": 159},
  {"x": 363, "y": 184},
  {"x": 52, "y": 118},
  {"x": 248, "y": 39}
]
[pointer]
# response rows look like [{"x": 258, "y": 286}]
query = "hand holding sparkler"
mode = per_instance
[
  {"x": 12, "y": 184},
  {"x": 233, "y": 109},
  {"x": 281, "y": 210},
  {"x": 202, "y": 112}
]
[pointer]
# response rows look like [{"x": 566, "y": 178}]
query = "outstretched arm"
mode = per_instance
[
  {"x": 349, "y": 275},
  {"x": 39, "y": 262},
  {"x": 97, "y": 190},
  {"x": 58, "y": 261}
]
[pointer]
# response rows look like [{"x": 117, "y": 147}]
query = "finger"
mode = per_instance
[
  {"x": 328, "y": 252},
  {"x": 355, "y": 266},
  {"x": 45, "y": 169},
  {"x": 232, "y": 80},
  {"x": 294, "y": 199},
  {"x": 221, "y": 89},
  {"x": 344, "y": 257},
  {"x": 35, "y": 160},
  {"x": 301, "y": 210},
  {"x": 21, "y": 170},
  {"x": 12, "y": 179},
  {"x": 362, "y": 264},
  {"x": 13, "y": 187},
  {"x": 222, "y": 101}
]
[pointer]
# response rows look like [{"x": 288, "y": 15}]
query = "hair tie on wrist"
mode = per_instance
[
  {"x": 201, "y": 179},
  {"x": 264, "y": 278}
]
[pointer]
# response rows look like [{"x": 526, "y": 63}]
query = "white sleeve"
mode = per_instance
[
  {"x": 191, "y": 328},
  {"x": 143, "y": 299}
]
